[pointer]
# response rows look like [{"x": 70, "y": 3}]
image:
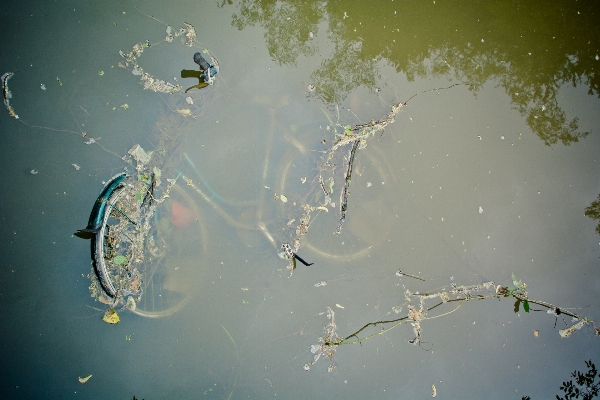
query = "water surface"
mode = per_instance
[{"x": 505, "y": 118}]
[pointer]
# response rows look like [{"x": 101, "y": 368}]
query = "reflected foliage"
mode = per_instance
[
  {"x": 593, "y": 211},
  {"x": 530, "y": 49},
  {"x": 345, "y": 70},
  {"x": 287, "y": 26},
  {"x": 585, "y": 386}
]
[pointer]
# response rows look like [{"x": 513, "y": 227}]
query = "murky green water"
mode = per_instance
[{"x": 486, "y": 172}]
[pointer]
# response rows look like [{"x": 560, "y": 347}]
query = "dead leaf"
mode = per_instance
[{"x": 104, "y": 300}]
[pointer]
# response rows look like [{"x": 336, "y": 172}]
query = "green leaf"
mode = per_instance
[
  {"x": 144, "y": 178},
  {"x": 139, "y": 195},
  {"x": 526, "y": 306},
  {"x": 517, "y": 304},
  {"x": 119, "y": 260}
]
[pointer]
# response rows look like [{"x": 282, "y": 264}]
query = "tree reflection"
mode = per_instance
[
  {"x": 288, "y": 26},
  {"x": 593, "y": 211},
  {"x": 531, "y": 49},
  {"x": 344, "y": 71}
]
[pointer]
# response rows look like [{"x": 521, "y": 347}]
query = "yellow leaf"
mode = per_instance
[
  {"x": 339, "y": 306},
  {"x": 110, "y": 317},
  {"x": 283, "y": 198},
  {"x": 84, "y": 380},
  {"x": 184, "y": 111}
]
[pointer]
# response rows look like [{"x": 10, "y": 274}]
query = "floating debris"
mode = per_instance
[
  {"x": 327, "y": 342},
  {"x": 189, "y": 100},
  {"x": 418, "y": 311},
  {"x": 322, "y": 283},
  {"x": 33, "y": 172},
  {"x": 208, "y": 71},
  {"x": 480, "y": 210},
  {"x": 334, "y": 164},
  {"x": 131, "y": 306},
  {"x": 97, "y": 226},
  {"x": 119, "y": 250},
  {"x": 7, "y": 94},
  {"x": 100, "y": 73},
  {"x": 139, "y": 154},
  {"x": 565, "y": 333},
  {"x": 400, "y": 273},
  {"x": 76, "y": 167},
  {"x": 84, "y": 380},
  {"x": 149, "y": 81},
  {"x": 43, "y": 87},
  {"x": 297, "y": 257},
  {"x": 190, "y": 34}
]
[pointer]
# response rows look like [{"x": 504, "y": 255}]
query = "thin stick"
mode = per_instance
[{"x": 230, "y": 337}]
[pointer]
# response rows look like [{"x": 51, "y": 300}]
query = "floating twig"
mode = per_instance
[
  {"x": 417, "y": 313},
  {"x": 400, "y": 273}
]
